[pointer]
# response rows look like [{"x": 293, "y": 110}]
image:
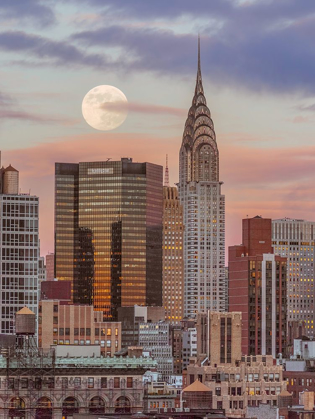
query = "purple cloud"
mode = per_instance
[
  {"x": 27, "y": 10},
  {"x": 54, "y": 52},
  {"x": 257, "y": 45},
  {"x": 276, "y": 56},
  {"x": 257, "y": 10},
  {"x": 9, "y": 110}
]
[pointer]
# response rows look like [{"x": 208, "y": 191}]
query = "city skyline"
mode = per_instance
[{"x": 258, "y": 85}]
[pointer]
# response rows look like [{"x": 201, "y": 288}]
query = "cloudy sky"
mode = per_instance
[{"x": 258, "y": 66}]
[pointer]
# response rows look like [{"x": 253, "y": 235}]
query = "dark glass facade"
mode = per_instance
[{"x": 120, "y": 205}]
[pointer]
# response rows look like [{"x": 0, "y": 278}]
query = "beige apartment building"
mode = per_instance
[
  {"x": 236, "y": 381},
  {"x": 173, "y": 268},
  {"x": 219, "y": 336},
  {"x": 69, "y": 324},
  {"x": 249, "y": 382}
]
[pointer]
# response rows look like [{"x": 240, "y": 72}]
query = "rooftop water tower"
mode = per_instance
[{"x": 25, "y": 329}]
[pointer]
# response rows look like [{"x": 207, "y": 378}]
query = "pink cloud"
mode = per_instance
[
  {"x": 32, "y": 117},
  {"x": 270, "y": 182},
  {"x": 144, "y": 108},
  {"x": 299, "y": 119}
]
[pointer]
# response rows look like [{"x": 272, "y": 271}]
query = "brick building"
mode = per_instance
[
  {"x": 257, "y": 288},
  {"x": 66, "y": 386}
]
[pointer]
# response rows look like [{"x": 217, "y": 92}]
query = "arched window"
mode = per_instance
[
  {"x": 44, "y": 408},
  {"x": 122, "y": 405},
  {"x": 97, "y": 405},
  {"x": 70, "y": 406},
  {"x": 17, "y": 408}
]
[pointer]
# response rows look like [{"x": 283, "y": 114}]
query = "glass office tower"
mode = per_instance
[{"x": 108, "y": 232}]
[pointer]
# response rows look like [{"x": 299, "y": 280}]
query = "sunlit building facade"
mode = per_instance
[
  {"x": 295, "y": 240},
  {"x": 173, "y": 263},
  {"x": 203, "y": 209},
  {"x": 108, "y": 232}
]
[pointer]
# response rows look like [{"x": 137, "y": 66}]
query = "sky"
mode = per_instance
[{"x": 258, "y": 68}]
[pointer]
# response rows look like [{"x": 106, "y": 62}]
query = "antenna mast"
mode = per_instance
[{"x": 166, "y": 177}]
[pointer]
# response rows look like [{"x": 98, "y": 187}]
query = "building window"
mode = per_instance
[
  {"x": 109, "y": 332},
  {"x": 90, "y": 382},
  {"x": 116, "y": 382},
  {"x": 104, "y": 382},
  {"x": 97, "y": 331},
  {"x": 77, "y": 382},
  {"x": 24, "y": 383},
  {"x": 82, "y": 331},
  {"x": 55, "y": 308},
  {"x": 76, "y": 331},
  {"x": 222, "y": 341},
  {"x": 61, "y": 331},
  {"x": 88, "y": 331},
  {"x": 55, "y": 321},
  {"x": 218, "y": 391},
  {"x": 129, "y": 382},
  {"x": 64, "y": 382},
  {"x": 67, "y": 330}
]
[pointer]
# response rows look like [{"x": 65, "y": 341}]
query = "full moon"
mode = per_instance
[{"x": 104, "y": 107}]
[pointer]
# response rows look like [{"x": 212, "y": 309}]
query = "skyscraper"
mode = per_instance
[
  {"x": 108, "y": 232},
  {"x": 295, "y": 240},
  {"x": 258, "y": 289},
  {"x": 204, "y": 209},
  {"x": 19, "y": 249},
  {"x": 173, "y": 263}
]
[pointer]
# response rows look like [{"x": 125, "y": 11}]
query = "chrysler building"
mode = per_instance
[{"x": 203, "y": 208}]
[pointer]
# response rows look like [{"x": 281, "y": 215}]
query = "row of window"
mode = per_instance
[{"x": 50, "y": 383}]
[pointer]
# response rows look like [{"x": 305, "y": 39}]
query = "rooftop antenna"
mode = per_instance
[
  {"x": 108, "y": 158},
  {"x": 166, "y": 177}
]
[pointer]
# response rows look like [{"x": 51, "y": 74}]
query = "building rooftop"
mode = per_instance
[
  {"x": 285, "y": 393},
  {"x": 10, "y": 169},
  {"x": 197, "y": 386},
  {"x": 25, "y": 310},
  {"x": 82, "y": 362}
]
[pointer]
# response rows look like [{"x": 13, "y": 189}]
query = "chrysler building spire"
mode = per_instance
[
  {"x": 200, "y": 155},
  {"x": 203, "y": 209},
  {"x": 199, "y": 87}
]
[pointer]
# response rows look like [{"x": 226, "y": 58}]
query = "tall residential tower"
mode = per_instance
[
  {"x": 173, "y": 264},
  {"x": 19, "y": 249},
  {"x": 295, "y": 240},
  {"x": 203, "y": 208}
]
